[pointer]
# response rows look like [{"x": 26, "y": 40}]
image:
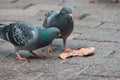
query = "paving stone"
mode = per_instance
[
  {"x": 44, "y": 7},
  {"x": 80, "y": 4},
  {"x": 20, "y": 18},
  {"x": 105, "y": 71},
  {"x": 110, "y": 26},
  {"x": 6, "y": 0},
  {"x": 116, "y": 18},
  {"x": 111, "y": 6},
  {"x": 61, "y": 74},
  {"x": 6, "y": 74},
  {"x": 86, "y": 24},
  {"x": 97, "y": 35},
  {"x": 52, "y": 2},
  {"x": 17, "y": 12},
  {"x": 81, "y": 8},
  {"x": 104, "y": 16}
]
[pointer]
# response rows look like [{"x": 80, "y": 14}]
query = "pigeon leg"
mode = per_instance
[
  {"x": 66, "y": 49},
  {"x": 36, "y": 55},
  {"x": 94, "y": 1},
  {"x": 49, "y": 49},
  {"x": 20, "y": 58}
]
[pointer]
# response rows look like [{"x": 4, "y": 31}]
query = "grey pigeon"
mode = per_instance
[
  {"x": 62, "y": 20},
  {"x": 28, "y": 36}
]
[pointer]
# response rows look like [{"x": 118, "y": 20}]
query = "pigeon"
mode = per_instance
[
  {"x": 28, "y": 36},
  {"x": 62, "y": 20}
]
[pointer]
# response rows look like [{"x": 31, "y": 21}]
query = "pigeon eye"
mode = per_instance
[{"x": 65, "y": 11}]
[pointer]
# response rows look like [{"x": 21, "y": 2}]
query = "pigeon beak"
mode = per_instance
[
  {"x": 60, "y": 36},
  {"x": 70, "y": 15}
]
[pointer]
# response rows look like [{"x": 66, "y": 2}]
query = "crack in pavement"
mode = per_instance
[
  {"x": 29, "y": 5},
  {"x": 110, "y": 54},
  {"x": 14, "y": 1},
  {"x": 100, "y": 24},
  {"x": 83, "y": 16}
]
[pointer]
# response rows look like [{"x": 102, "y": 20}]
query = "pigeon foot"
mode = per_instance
[
  {"x": 67, "y": 49},
  {"x": 20, "y": 58},
  {"x": 49, "y": 49}
]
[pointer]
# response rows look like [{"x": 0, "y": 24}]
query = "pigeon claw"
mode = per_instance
[
  {"x": 67, "y": 49},
  {"x": 37, "y": 56},
  {"x": 49, "y": 49},
  {"x": 20, "y": 58}
]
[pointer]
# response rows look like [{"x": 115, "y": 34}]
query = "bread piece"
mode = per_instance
[{"x": 78, "y": 52}]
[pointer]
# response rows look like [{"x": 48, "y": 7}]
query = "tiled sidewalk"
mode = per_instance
[{"x": 96, "y": 25}]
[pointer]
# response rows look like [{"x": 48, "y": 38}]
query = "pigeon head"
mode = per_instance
[
  {"x": 67, "y": 10},
  {"x": 54, "y": 32}
]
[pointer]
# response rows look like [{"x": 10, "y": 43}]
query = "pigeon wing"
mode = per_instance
[
  {"x": 48, "y": 18},
  {"x": 19, "y": 35}
]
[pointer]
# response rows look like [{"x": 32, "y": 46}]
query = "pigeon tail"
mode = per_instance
[
  {"x": 1, "y": 32},
  {"x": 1, "y": 27}
]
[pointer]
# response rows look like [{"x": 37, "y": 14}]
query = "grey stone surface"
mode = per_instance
[
  {"x": 96, "y": 25},
  {"x": 7, "y": 5},
  {"x": 112, "y": 26}
]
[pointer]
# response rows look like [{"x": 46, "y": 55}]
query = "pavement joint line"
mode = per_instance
[
  {"x": 118, "y": 30},
  {"x": 87, "y": 67},
  {"x": 99, "y": 24},
  {"x": 111, "y": 53},
  {"x": 83, "y": 16},
  {"x": 20, "y": 65},
  {"x": 14, "y": 1},
  {"x": 29, "y": 5}
]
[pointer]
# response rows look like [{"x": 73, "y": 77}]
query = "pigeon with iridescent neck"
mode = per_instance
[
  {"x": 28, "y": 36},
  {"x": 62, "y": 20}
]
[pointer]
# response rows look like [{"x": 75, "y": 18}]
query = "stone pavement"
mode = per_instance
[{"x": 96, "y": 25}]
